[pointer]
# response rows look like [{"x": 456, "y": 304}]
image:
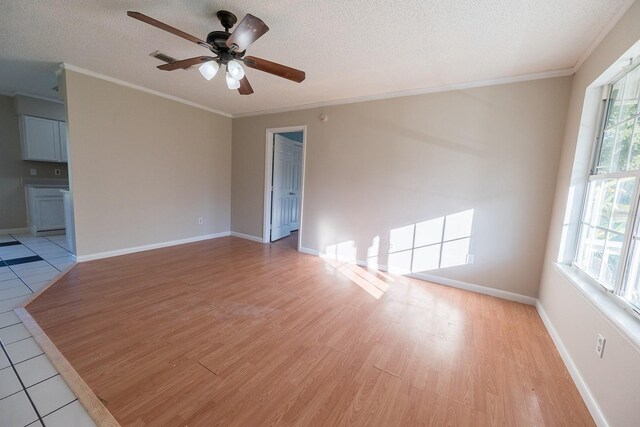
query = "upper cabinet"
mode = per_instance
[
  {"x": 64, "y": 142},
  {"x": 43, "y": 139}
]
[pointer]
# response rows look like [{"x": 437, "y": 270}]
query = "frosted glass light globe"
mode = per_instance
[
  {"x": 235, "y": 69},
  {"x": 209, "y": 69},
  {"x": 231, "y": 82}
]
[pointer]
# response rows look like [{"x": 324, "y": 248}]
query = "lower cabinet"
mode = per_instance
[{"x": 45, "y": 209}]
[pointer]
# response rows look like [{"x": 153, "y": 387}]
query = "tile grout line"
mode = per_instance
[
  {"x": 41, "y": 381},
  {"x": 25, "y": 360},
  {"x": 57, "y": 409},
  {"x": 20, "y": 278},
  {"x": 42, "y": 259},
  {"x": 47, "y": 239},
  {"x": 21, "y": 383},
  {"x": 21, "y": 339},
  {"x": 55, "y": 243}
]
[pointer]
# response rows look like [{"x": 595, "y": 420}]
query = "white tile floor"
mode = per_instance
[{"x": 31, "y": 390}]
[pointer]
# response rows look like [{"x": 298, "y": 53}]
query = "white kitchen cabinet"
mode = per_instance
[
  {"x": 43, "y": 139},
  {"x": 45, "y": 208},
  {"x": 64, "y": 139}
]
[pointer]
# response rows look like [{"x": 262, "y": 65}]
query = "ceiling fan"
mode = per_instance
[{"x": 229, "y": 49}]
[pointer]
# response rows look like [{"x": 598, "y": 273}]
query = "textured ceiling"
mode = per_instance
[{"x": 349, "y": 49}]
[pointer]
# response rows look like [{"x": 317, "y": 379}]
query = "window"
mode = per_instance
[{"x": 609, "y": 243}]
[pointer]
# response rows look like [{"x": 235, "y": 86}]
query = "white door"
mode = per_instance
[
  {"x": 281, "y": 193},
  {"x": 296, "y": 186}
]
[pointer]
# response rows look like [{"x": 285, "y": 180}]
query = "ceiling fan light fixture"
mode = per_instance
[
  {"x": 231, "y": 82},
  {"x": 209, "y": 69},
  {"x": 235, "y": 69}
]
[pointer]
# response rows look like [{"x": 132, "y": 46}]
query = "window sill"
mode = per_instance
[{"x": 619, "y": 317}]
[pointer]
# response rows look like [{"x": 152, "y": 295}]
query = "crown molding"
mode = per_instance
[
  {"x": 413, "y": 92},
  {"x": 601, "y": 35},
  {"x": 70, "y": 67},
  {"x": 344, "y": 101},
  {"x": 30, "y": 95}
]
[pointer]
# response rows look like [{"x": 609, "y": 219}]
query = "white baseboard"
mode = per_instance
[
  {"x": 524, "y": 299},
  {"x": 308, "y": 251},
  {"x": 124, "y": 251},
  {"x": 14, "y": 230},
  {"x": 588, "y": 398},
  {"x": 247, "y": 236},
  {"x": 499, "y": 293}
]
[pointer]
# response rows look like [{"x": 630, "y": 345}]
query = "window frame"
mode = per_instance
[{"x": 619, "y": 287}]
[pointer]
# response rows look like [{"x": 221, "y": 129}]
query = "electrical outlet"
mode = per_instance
[
  {"x": 200, "y": 221},
  {"x": 56, "y": 171},
  {"x": 34, "y": 172},
  {"x": 600, "y": 345}
]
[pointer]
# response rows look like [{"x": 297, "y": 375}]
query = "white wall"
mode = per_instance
[
  {"x": 376, "y": 166},
  {"x": 614, "y": 380},
  {"x": 143, "y": 168}
]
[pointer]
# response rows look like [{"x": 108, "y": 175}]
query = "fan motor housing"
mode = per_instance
[{"x": 218, "y": 39}]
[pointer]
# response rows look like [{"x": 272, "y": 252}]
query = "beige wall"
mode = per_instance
[
  {"x": 379, "y": 165},
  {"x": 13, "y": 170},
  {"x": 614, "y": 380},
  {"x": 39, "y": 108},
  {"x": 143, "y": 168}
]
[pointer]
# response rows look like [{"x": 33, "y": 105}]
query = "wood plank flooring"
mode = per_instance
[{"x": 233, "y": 332}]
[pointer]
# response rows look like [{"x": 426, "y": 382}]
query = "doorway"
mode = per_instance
[{"x": 284, "y": 185}]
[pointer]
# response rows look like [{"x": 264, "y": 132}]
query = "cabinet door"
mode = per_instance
[
  {"x": 50, "y": 213},
  {"x": 64, "y": 141},
  {"x": 40, "y": 139}
]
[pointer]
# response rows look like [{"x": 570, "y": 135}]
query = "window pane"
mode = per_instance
[
  {"x": 585, "y": 246},
  {"x": 622, "y": 145},
  {"x": 605, "y": 205},
  {"x": 629, "y": 105},
  {"x": 613, "y": 113},
  {"x": 635, "y": 147},
  {"x": 593, "y": 197},
  {"x": 596, "y": 252},
  {"x": 606, "y": 151},
  {"x": 622, "y": 205},
  {"x": 611, "y": 259},
  {"x": 632, "y": 291}
]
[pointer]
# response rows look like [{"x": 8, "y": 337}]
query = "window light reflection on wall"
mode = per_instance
[{"x": 430, "y": 245}]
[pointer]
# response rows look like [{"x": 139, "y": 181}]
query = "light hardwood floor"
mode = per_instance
[{"x": 232, "y": 332}]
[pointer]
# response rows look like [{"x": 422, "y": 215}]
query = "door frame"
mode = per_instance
[{"x": 268, "y": 176}]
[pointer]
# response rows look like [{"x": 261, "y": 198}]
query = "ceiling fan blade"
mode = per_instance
[
  {"x": 248, "y": 30},
  {"x": 147, "y": 19},
  {"x": 274, "y": 68},
  {"x": 245, "y": 87},
  {"x": 185, "y": 63}
]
